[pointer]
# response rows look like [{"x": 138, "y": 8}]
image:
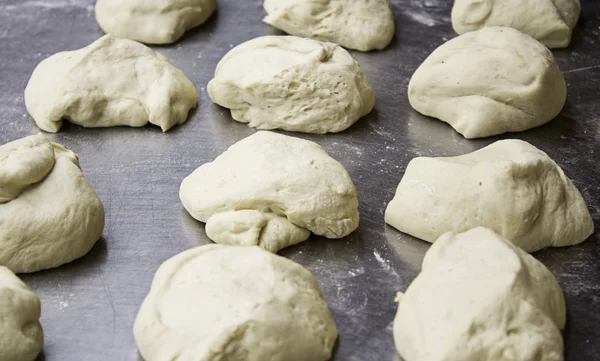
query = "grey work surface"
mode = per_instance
[{"x": 89, "y": 305}]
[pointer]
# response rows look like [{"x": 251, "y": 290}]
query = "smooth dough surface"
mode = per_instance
[
  {"x": 489, "y": 82},
  {"x": 549, "y": 21},
  {"x": 509, "y": 186},
  {"x": 271, "y": 190},
  {"x": 21, "y": 336},
  {"x": 478, "y": 297},
  {"x": 355, "y": 24},
  {"x": 152, "y": 21},
  {"x": 233, "y": 303},
  {"x": 291, "y": 83},
  {"x": 49, "y": 214},
  {"x": 109, "y": 83}
]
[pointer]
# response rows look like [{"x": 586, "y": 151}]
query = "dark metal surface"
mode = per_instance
[{"x": 89, "y": 305}]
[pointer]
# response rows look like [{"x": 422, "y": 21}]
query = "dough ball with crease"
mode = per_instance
[
  {"x": 509, "y": 186},
  {"x": 152, "y": 21},
  {"x": 21, "y": 336},
  {"x": 488, "y": 82},
  {"x": 549, "y": 21},
  {"x": 110, "y": 82},
  {"x": 478, "y": 297},
  {"x": 218, "y": 302},
  {"x": 49, "y": 214},
  {"x": 271, "y": 190},
  {"x": 355, "y": 24},
  {"x": 291, "y": 83}
]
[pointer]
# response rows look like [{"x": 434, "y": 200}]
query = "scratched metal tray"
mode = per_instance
[{"x": 88, "y": 306}]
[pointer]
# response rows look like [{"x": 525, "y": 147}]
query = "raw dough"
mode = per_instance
[
  {"x": 478, "y": 297},
  {"x": 356, "y": 24},
  {"x": 549, "y": 21},
  {"x": 21, "y": 336},
  {"x": 510, "y": 187},
  {"x": 291, "y": 83},
  {"x": 219, "y": 302},
  {"x": 49, "y": 215},
  {"x": 109, "y": 83},
  {"x": 152, "y": 21},
  {"x": 489, "y": 82},
  {"x": 271, "y": 190}
]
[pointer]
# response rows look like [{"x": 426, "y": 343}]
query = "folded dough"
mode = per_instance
[
  {"x": 49, "y": 215},
  {"x": 108, "y": 83},
  {"x": 509, "y": 186},
  {"x": 478, "y": 297},
  {"x": 271, "y": 190},
  {"x": 286, "y": 82},
  {"x": 489, "y": 82}
]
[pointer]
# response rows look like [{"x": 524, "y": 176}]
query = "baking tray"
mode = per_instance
[{"x": 88, "y": 306}]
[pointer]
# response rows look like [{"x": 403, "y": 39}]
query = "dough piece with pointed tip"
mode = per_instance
[
  {"x": 509, "y": 186},
  {"x": 291, "y": 83},
  {"x": 21, "y": 336},
  {"x": 51, "y": 215},
  {"x": 218, "y": 302},
  {"x": 489, "y": 82},
  {"x": 152, "y": 21},
  {"x": 478, "y": 297},
  {"x": 110, "y": 82},
  {"x": 271, "y": 190},
  {"x": 355, "y": 24},
  {"x": 549, "y": 21}
]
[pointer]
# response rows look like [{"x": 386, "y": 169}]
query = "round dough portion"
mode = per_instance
[
  {"x": 355, "y": 24},
  {"x": 21, "y": 336},
  {"x": 478, "y": 297},
  {"x": 111, "y": 82},
  {"x": 152, "y": 21},
  {"x": 509, "y": 186},
  {"x": 270, "y": 190},
  {"x": 549, "y": 21},
  {"x": 219, "y": 302},
  {"x": 291, "y": 83},
  {"x": 489, "y": 82},
  {"x": 52, "y": 221}
]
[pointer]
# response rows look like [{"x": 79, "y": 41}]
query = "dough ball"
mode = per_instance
[
  {"x": 478, "y": 297},
  {"x": 109, "y": 83},
  {"x": 510, "y": 187},
  {"x": 152, "y": 21},
  {"x": 549, "y": 21},
  {"x": 220, "y": 302},
  {"x": 270, "y": 190},
  {"x": 51, "y": 215},
  {"x": 489, "y": 82},
  {"x": 291, "y": 83},
  {"x": 355, "y": 24},
  {"x": 21, "y": 337}
]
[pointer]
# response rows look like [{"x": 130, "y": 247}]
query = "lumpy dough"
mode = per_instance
[
  {"x": 549, "y": 21},
  {"x": 109, "y": 83},
  {"x": 291, "y": 83},
  {"x": 152, "y": 21},
  {"x": 355, "y": 24},
  {"x": 218, "y": 302},
  {"x": 49, "y": 215},
  {"x": 21, "y": 336},
  {"x": 509, "y": 186},
  {"x": 271, "y": 190},
  {"x": 478, "y": 297},
  {"x": 489, "y": 82}
]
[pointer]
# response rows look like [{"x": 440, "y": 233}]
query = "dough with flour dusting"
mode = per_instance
[
  {"x": 271, "y": 190},
  {"x": 108, "y": 83},
  {"x": 219, "y": 302},
  {"x": 509, "y": 186},
  {"x": 478, "y": 297}
]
